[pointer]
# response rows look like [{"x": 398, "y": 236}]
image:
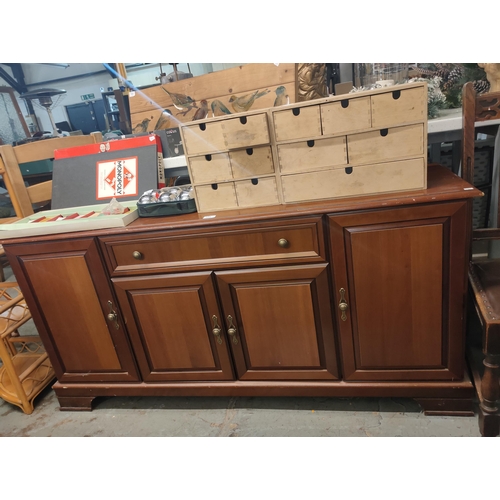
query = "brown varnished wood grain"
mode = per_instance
[
  {"x": 170, "y": 323},
  {"x": 283, "y": 320},
  {"x": 67, "y": 293},
  {"x": 405, "y": 298}
]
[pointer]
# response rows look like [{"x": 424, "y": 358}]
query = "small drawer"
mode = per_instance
[
  {"x": 385, "y": 144},
  {"x": 212, "y": 248},
  {"x": 347, "y": 115},
  {"x": 206, "y": 137},
  {"x": 312, "y": 155},
  {"x": 297, "y": 123},
  {"x": 216, "y": 196},
  {"x": 251, "y": 162},
  {"x": 212, "y": 167},
  {"x": 245, "y": 131},
  {"x": 257, "y": 192},
  {"x": 398, "y": 107},
  {"x": 355, "y": 181}
]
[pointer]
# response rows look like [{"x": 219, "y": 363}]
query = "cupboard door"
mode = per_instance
[
  {"x": 171, "y": 321},
  {"x": 402, "y": 274},
  {"x": 280, "y": 324},
  {"x": 68, "y": 293}
]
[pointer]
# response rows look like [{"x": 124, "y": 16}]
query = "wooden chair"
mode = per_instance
[
  {"x": 25, "y": 197},
  {"x": 25, "y": 369},
  {"x": 484, "y": 273}
]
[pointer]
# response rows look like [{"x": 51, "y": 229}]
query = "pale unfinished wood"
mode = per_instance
[
  {"x": 388, "y": 109},
  {"x": 257, "y": 192},
  {"x": 398, "y": 142},
  {"x": 315, "y": 154},
  {"x": 214, "y": 197},
  {"x": 297, "y": 123},
  {"x": 241, "y": 81},
  {"x": 210, "y": 168},
  {"x": 251, "y": 162},
  {"x": 346, "y": 116},
  {"x": 368, "y": 179}
]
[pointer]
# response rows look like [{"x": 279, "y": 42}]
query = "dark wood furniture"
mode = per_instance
[
  {"x": 351, "y": 297},
  {"x": 484, "y": 272}
]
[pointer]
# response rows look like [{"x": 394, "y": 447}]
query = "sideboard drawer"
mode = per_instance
[
  {"x": 251, "y": 130},
  {"x": 255, "y": 244}
]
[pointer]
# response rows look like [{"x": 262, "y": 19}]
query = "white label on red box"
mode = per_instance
[{"x": 117, "y": 178}]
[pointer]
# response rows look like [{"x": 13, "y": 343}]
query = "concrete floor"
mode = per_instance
[{"x": 230, "y": 417}]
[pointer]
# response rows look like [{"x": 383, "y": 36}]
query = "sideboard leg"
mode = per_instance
[
  {"x": 75, "y": 403},
  {"x": 489, "y": 416},
  {"x": 447, "y": 406}
]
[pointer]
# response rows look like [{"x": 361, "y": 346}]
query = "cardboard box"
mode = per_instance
[{"x": 96, "y": 173}]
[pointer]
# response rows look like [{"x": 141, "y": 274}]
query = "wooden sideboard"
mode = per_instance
[{"x": 356, "y": 297}]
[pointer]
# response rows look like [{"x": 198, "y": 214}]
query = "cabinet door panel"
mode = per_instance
[
  {"x": 403, "y": 275},
  {"x": 70, "y": 312},
  {"x": 283, "y": 323},
  {"x": 170, "y": 320}
]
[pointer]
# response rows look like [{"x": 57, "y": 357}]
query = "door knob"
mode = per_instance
[{"x": 343, "y": 306}]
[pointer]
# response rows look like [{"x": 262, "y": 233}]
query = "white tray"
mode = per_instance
[{"x": 24, "y": 227}]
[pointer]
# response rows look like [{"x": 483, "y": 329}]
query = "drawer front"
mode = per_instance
[
  {"x": 257, "y": 192},
  {"x": 347, "y": 115},
  {"x": 297, "y": 123},
  {"x": 386, "y": 144},
  {"x": 251, "y": 162},
  {"x": 245, "y": 131},
  {"x": 203, "y": 138},
  {"x": 210, "y": 168},
  {"x": 216, "y": 196},
  {"x": 312, "y": 155},
  {"x": 369, "y": 179},
  {"x": 399, "y": 107},
  {"x": 254, "y": 244}
]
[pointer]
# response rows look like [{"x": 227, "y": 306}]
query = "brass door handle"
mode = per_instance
[
  {"x": 137, "y": 255},
  {"x": 216, "y": 330},
  {"x": 283, "y": 243},
  {"x": 231, "y": 330},
  {"x": 112, "y": 316},
  {"x": 343, "y": 306}
]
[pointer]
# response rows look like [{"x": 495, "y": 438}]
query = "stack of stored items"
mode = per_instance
[{"x": 349, "y": 145}]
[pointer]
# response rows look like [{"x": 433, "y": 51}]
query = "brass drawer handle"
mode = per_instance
[
  {"x": 137, "y": 255},
  {"x": 232, "y": 330},
  {"x": 343, "y": 305},
  {"x": 216, "y": 330},
  {"x": 283, "y": 243}
]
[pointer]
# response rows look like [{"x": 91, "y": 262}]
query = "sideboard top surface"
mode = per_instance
[{"x": 443, "y": 185}]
